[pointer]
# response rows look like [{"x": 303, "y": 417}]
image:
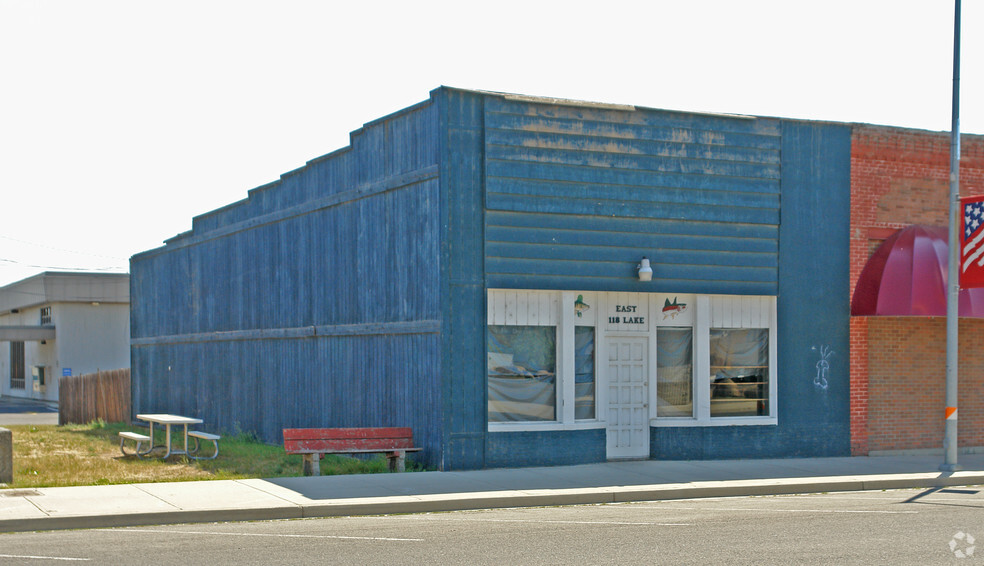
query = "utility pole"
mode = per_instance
[{"x": 953, "y": 271}]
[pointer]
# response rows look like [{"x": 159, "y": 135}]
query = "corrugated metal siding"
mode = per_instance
[
  {"x": 814, "y": 301},
  {"x": 812, "y": 313},
  {"x": 299, "y": 271},
  {"x": 315, "y": 302},
  {"x": 575, "y": 196},
  {"x": 352, "y": 292},
  {"x": 384, "y": 148},
  {"x": 266, "y": 385},
  {"x": 462, "y": 280}
]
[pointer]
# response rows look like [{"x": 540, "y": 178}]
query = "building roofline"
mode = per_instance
[
  {"x": 42, "y": 289},
  {"x": 46, "y": 274},
  {"x": 534, "y": 99}
]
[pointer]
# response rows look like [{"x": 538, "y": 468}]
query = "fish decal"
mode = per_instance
[
  {"x": 580, "y": 306},
  {"x": 671, "y": 310}
]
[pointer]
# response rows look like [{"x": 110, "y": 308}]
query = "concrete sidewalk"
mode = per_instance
[{"x": 300, "y": 497}]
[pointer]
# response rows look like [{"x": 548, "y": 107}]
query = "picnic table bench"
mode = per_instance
[
  {"x": 168, "y": 421},
  {"x": 136, "y": 437},
  {"x": 311, "y": 443}
]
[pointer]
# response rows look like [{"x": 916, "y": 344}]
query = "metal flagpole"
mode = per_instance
[{"x": 953, "y": 272}]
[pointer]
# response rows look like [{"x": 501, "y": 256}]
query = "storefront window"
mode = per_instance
[
  {"x": 584, "y": 372},
  {"x": 739, "y": 372},
  {"x": 674, "y": 372},
  {"x": 522, "y": 369},
  {"x": 544, "y": 371}
]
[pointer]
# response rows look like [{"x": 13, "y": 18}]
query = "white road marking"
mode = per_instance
[
  {"x": 28, "y": 557},
  {"x": 481, "y": 520},
  {"x": 260, "y": 535},
  {"x": 668, "y": 508}
]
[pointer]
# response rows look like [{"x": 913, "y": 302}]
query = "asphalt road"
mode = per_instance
[
  {"x": 891, "y": 527},
  {"x": 15, "y": 411}
]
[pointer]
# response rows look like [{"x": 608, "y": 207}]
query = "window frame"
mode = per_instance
[
  {"x": 565, "y": 319},
  {"x": 556, "y": 308},
  {"x": 737, "y": 387},
  {"x": 594, "y": 372},
  {"x": 726, "y": 311},
  {"x": 18, "y": 362},
  {"x": 556, "y": 380},
  {"x": 654, "y": 341}
]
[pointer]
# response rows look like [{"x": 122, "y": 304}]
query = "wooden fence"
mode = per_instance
[{"x": 104, "y": 395}]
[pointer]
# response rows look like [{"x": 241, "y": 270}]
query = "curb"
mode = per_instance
[{"x": 431, "y": 503}]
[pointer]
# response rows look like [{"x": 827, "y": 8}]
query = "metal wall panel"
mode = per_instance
[
  {"x": 352, "y": 292},
  {"x": 314, "y": 302},
  {"x": 813, "y": 303},
  {"x": 462, "y": 280},
  {"x": 577, "y": 195},
  {"x": 812, "y": 313},
  {"x": 262, "y": 386}
]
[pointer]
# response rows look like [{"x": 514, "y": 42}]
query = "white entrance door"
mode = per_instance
[{"x": 628, "y": 406}]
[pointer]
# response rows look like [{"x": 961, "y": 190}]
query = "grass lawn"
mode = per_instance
[{"x": 52, "y": 456}]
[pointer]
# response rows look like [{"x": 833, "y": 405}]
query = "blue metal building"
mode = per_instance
[{"x": 473, "y": 267}]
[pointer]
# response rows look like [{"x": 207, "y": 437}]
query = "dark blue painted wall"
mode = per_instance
[
  {"x": 352, "y": 291},
  {"x": 315, "y": 302},
  {"x": 462, "y": 279},
  {"x": 813, "y": 313},
  {"x": 576, "y": 195},
  {"x": 554, "y": 448}
]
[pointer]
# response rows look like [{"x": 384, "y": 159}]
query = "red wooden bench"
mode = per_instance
[{"x": 311, "y": 443}]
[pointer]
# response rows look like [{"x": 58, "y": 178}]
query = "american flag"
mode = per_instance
[{"x": 972, "y": 242}]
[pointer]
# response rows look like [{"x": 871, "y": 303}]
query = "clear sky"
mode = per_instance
[{"x": 122, "y": 120}]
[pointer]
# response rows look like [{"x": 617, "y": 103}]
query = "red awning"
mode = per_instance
[{"x": 907, "y": 275}]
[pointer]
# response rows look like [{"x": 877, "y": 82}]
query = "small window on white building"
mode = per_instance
[
  {"x": 721, "y": 370},
  {"x": 522, "y": 369},
  {"x": 584, "y": 372},
  {"x": 45, "y": 316},
  {"x": 739, "y": 372},
  {"x": 17, "y": 373},
  {"x": 549, "y": 351},
  {"x": 542, "y": 349},
  {"x": 674, "y": 371}
]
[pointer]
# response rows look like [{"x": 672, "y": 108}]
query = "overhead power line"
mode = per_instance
[
  {"x": 57, "y": 249},
  {"x": 63, "y": 268}
]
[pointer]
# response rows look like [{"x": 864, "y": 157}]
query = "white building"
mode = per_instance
[{"x": 58, "y": 324}]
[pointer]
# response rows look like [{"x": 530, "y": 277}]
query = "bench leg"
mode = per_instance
[
  {"x": 215, "y": 444},
  {"x": 193, "y": 453},
  {"x": 136, "y": 452},
  {"x": 397, "y": 461},
  {"x": 312, "y": 464}
]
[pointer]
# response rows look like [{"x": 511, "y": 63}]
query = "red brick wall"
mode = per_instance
[
  {"x": 899, "y": 177},
  {"x": 906, "y": 382}
]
